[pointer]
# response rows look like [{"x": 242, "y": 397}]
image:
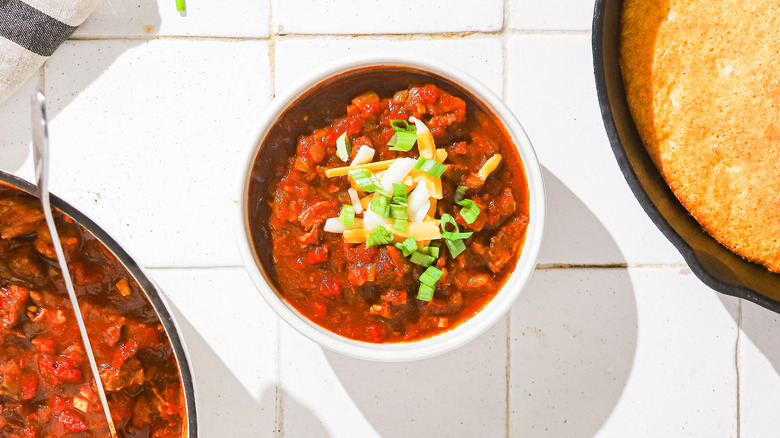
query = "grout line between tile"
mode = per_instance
[
  {"x": 504, "y": 95},
  {"x": 402, "y": 36},
  {"x": 550, "y": 266},
  {"x": 279, "y": 408},
  {"x": 162, "y": 37},
  {"x": 738, "y": 364},
  {"x": 508, "y": 371}
]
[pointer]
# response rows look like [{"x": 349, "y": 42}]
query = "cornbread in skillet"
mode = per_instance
[{"x": 702, "y": 79}]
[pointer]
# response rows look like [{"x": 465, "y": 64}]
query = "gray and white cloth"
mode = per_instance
[{"x": 30, "y": 31}]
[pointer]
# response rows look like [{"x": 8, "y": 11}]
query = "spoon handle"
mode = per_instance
[{"x": 41, "y": 161}]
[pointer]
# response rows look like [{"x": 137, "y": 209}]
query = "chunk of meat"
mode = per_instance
[
  {"x": 502, "y": 206},
  {"x": 19, "y": 216},
  {"x": 12, "y": 300},
  {"x": 124, "y": 370},
  {"x": 316, "y": 214},
  {"x": 24, "y": 262},
  {"x": 69, "y": 239},
  {"x": 130, "y": 373},
  {"x": 505, "y": 243},
  {"x": 469, "y": 280}
]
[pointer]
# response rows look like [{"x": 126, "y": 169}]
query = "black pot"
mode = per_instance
[{"x": 713, "y": 263}]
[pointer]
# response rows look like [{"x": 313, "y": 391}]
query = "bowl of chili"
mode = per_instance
[
  {"x": 391, "y": 207},
  {"x": 46, "y": 386}
]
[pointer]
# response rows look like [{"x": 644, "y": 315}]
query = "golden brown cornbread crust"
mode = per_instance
[{"x": 703, "y": 83}]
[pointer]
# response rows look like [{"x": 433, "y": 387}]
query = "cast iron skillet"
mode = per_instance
[
  {"x": 149, "y": 289},
  {"x": 714, "y": 264}
]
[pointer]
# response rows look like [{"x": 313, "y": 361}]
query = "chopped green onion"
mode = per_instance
[
  {"x": 448, "y": 219},
  {"x": 407, "y": 247},
  {"x": 460, "y": 193},
  {"x": 425, "y": 293},
  {"x": 380, "y": 236},
  {"x": 343, "y": 147},
  {"x": 432, "y": 251},
  {"x": 380, "y": 204},
  {"x": 402, "y": 141},
  {"x": 402, "y": 125},
  {"x": 366, "y": 180},
  {"x": 404, "y": 135},
  {"x": 347, "y": 215},
  {"x": 431, "y": 276},
  {"x": 421, "y": 259},
  {"x": 456, "y": 236},
  {"x": 398, "y": 211},
  {"x": 431, "y": 167},
  {"x": 453, "y": 239},
  {"x": 456, "y": 247},
  {"x": 401, "y": 224},
  {"x": 399, "y": 191},
  {"x": 470, "y": 210},
  {"x": 180, "y": 6}
]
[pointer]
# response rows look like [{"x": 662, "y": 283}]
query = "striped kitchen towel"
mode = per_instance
[{"x": 30, "y": 31}]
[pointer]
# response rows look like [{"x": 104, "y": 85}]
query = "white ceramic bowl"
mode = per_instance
[{"x": 440, "y": 343}]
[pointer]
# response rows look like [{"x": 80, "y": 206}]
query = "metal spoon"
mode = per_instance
[{"x": 40, "y": 142}]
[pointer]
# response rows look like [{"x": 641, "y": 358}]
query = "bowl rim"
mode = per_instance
[
  {"x": 605, "y": 100},
  {"x": 151, "y": 290},
  {"x": 469, "y": 329}
]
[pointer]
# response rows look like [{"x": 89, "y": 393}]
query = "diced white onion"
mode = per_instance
[
  {"x": 372, "y": 220},
  {"x": 418, "y": 203},
  {"x": 364, "y": 155},
  {"x": 332, "y": 225},
  {"x": 353, "y": 196},
  {"x": 397, "y": 172},
  {"x": 419, "y": 124}
]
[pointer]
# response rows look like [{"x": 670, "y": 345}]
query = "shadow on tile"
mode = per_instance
[
  {"x": 458, "y": 394},
  {"x": 760, "y": 325},
  {"x": 225, "y": 407},
  {"x": 573, "y": 331},
  {"x": 572, "y": 231},
  {"x": 573, "y": 337},
  {"x": 305, "y": 420}
]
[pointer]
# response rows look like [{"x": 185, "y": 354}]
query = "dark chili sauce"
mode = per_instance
[
  {"x": 369, "y": 294},
  {"x": 46, "y": 383}
]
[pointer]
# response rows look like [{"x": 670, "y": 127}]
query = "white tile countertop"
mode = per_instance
[{"x": 613, "y": 337}]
